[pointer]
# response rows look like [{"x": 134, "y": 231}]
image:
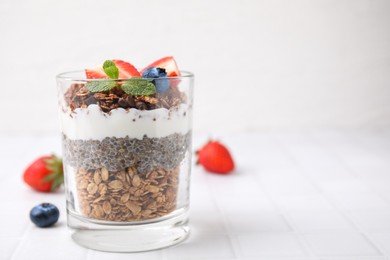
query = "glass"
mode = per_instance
[{"x": 127, "y": 162}]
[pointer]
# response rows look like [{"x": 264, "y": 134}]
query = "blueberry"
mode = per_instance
[
  {"x": 151, "y": 73},
  {"x": 161, "y": 82},
  {"x": 44, "y": 215}
]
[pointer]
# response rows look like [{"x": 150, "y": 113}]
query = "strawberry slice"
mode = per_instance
[
  {"x": 126, "y": 70},
  {"x": 167, "y": 63},
  {"x": 96, "y": 73}
]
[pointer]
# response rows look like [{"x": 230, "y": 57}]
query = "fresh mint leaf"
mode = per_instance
[
  {"x": 111, "y": 69},
  {"x": 100, "y": 86},
  {"x": 139, "y": 87}
]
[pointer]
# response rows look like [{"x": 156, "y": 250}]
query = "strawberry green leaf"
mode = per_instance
[
  {"x": 57, "y": 182},
  {"x": 51, "y": 176},
  {"x": 111, "y": 69},
  {"x": 54, "y": 164},
  {"x": 100, "y": 86},
  {"x": 139, "y": 87}
]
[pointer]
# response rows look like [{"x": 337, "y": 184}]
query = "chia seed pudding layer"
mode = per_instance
[{"x": 115, "y": 154}]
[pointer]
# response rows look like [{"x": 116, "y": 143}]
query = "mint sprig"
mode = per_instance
[
  {"x": 112, "y": 72},
  {"x": 139, "y": 87},
  {"x": 111, "y": 69},
  {"x": 100, "y": 86},
  {"x": 136, "y": 86}
]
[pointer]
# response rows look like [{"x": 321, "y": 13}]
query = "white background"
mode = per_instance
[
  {"x": 258, "y": 64},
  {"x": 272, "y": 65}
]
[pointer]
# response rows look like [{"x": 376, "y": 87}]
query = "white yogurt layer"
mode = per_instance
[{"x": 91, "y": 123}]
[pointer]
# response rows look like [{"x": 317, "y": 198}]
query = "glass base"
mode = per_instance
[{"x": 129, "y": 237}]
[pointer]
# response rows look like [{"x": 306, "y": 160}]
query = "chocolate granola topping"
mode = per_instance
[{"x": 78, "y": 96}]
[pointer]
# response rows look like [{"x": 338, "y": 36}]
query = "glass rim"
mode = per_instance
[{"x": 67, "y": 76}]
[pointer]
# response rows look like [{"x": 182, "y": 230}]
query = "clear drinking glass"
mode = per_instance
[{"x": 127, "y": 162}]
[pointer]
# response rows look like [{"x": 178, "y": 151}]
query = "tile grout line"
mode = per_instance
[
  {"x": 356, "y": 176},
  {"x": 290, "y": 223},
  {"x": 324, "y": 196},
  {"x": 164, "y": 252},
  {"x": 87, "y": 254},
  {"x": 354, "y": 258},
  {"x": 337, "y": 206},
  {"x": 368, "y": 235},
  {"x": 232, "y": 237},
  {"x": 22, "y": 242},
  {"x": 285, "y": 215},
  {"x": 351, "y": 171}
]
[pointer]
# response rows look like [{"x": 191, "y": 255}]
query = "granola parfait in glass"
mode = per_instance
[{"x": 126, "y": 137}]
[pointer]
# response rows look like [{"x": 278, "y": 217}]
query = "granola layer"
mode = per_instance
[{"x": 127, "y": 195}]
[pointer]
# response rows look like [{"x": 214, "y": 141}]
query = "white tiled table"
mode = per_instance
[{"x": 297, "y": 196}]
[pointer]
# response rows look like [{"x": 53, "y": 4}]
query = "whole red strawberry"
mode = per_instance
[
  {"x": 215, "y": 157},
  {"x": 45, "y": 173}
]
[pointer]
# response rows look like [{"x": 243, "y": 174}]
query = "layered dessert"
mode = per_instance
[{"x": 126, "y": 135}]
